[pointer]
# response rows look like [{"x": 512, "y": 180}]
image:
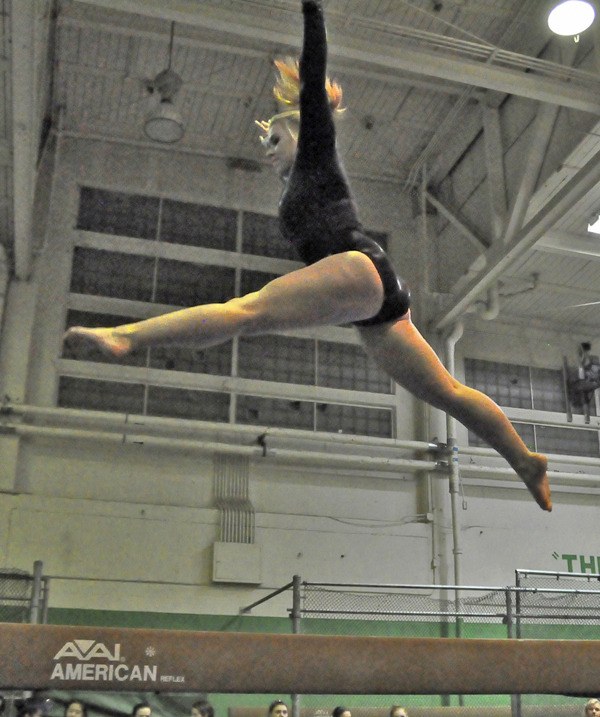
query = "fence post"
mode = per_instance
[
  {"x": 34, "y": 612},
  {"x": 45, "y": 598},
  {"x": 515, "y": 700},
  {"x": 518, "y": 604},
  {"x": 296, "y": 629}
]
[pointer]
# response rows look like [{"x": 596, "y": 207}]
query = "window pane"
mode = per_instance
[
  {"x": 354, "y": 420},
  {"x": 348, "y": 366},
  {"x": 182, "y": 403},
  {"x": 547, "y": 387},
  {"x": 254, "y": 281},
  {"x": 525, "y": 430},
  {"x": 86, "y": 352},
  {"x": 567, "y": 441},
  {"x": 109, "y": 273},
  {"x": 274, "y": 412},
  {"x": 261, "y": 236},
  {"x": 277, "y": 358},
  {"x": 507, "y": 384},
  {"x": 214, "y": 360},
  {"x": 108, "y": 212},
  {"x": 198, "y": 225},
  {"x": 100, "y": 395},
  {"x": 182, "y": 283}
]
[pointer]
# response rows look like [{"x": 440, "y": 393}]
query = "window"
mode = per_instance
[
  {"x": 198, "y": 225},
  {"x": 111, "y": 287},
  {"x": 118, "y": 213},
  {"x": 541, "y": 389},
  {"x": 507, "y": 384},
  {"x": 277, "y": 358}
]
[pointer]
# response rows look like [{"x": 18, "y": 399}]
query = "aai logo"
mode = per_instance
[{"x": 85, "y": 650}]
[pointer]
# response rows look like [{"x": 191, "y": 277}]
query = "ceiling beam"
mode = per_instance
[
  {"x": 389, "y": 77},
  {"x": 568, "y": 244},
  {"x": 479, "y": 242},
  {"x": 400, "y": 59},
  {"x": 500, "y": 258}
]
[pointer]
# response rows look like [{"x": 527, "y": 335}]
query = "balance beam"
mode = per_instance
[{"x": 57, "y": 657}]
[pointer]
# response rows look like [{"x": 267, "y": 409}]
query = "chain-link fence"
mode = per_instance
[
  {"x": 23, "y": 596},
  {"x": 15, "y": 596},
  {"x": 561, "y": 605},
  {"x": 18, "y": 603},
  {"x": 553, "y": 605}
]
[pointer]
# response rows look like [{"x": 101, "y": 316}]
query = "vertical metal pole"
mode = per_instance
[
  {"x": 518, "y": 606},
  {"x": 510, "y": 632},
  {"x": 296, "y": 629},
  {"x": 34, "y": 612},
  {"x": 454, "y": 481},
  {"x": 45, "y": 599},
  {"x": 515, "y": 700}
]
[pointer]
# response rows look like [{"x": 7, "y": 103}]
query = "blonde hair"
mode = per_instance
[
  {"x": 591, "y": 702},
  {"x": 286, "y": 91},
  {"x": 287, "y": 85}
]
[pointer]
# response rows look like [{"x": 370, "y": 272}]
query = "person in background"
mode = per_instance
[
  {"x": 592, "y": 708},
  {"x": 397, "y": 711},
  {"x": 202, "y": 708},
  {"x": 141, "y": 709},
  {"x": 75, "y": 708},
  {"x": 33, "y": 707},
  {"x": 341, "y": 711},
  {"x": 278, "y": 708}
]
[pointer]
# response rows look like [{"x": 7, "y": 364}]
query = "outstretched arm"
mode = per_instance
[{"x": 317, "y": 129}]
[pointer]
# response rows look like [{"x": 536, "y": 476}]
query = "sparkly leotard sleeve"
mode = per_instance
[{"x": 317, "y": 212}]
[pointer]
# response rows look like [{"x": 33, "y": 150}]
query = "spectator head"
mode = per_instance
[
  {"x": 75, "y": 708},
  {"x": 141, "y": 709},
  {"x": 202, "y": 708},
  {"x": 278, "y": 708},
  {"x": 33, "y": 707},
  {"x": 341, "y": 711},
  {"x": 592, "y": 708},
  {"x": 397, "y": 711}
]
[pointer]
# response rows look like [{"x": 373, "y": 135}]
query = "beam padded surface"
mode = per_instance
[{"x": 118, "y": 659}]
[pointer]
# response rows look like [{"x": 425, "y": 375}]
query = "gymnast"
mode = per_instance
[{"x": 347, "y": 277}]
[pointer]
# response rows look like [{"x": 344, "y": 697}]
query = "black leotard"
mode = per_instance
[{"x": 317, "y": 212}]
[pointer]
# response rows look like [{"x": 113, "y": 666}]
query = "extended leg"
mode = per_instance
[
  {"x": 338, "y": 289},
  {"x": 404, "y": 354}
]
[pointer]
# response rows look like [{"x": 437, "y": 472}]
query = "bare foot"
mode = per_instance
[
  {"x": 106, "y": 340},
  {"x": 534, "y": 475}
]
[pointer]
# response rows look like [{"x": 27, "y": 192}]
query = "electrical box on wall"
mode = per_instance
[{"x": 237, "y": 563}]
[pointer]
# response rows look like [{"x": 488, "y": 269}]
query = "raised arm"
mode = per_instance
[{"x": 317, "y": 129}]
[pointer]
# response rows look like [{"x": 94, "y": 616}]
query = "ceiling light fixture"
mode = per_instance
[
  {"x": 164, "y": 123},
  {"x": 571, "y": 17}
]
